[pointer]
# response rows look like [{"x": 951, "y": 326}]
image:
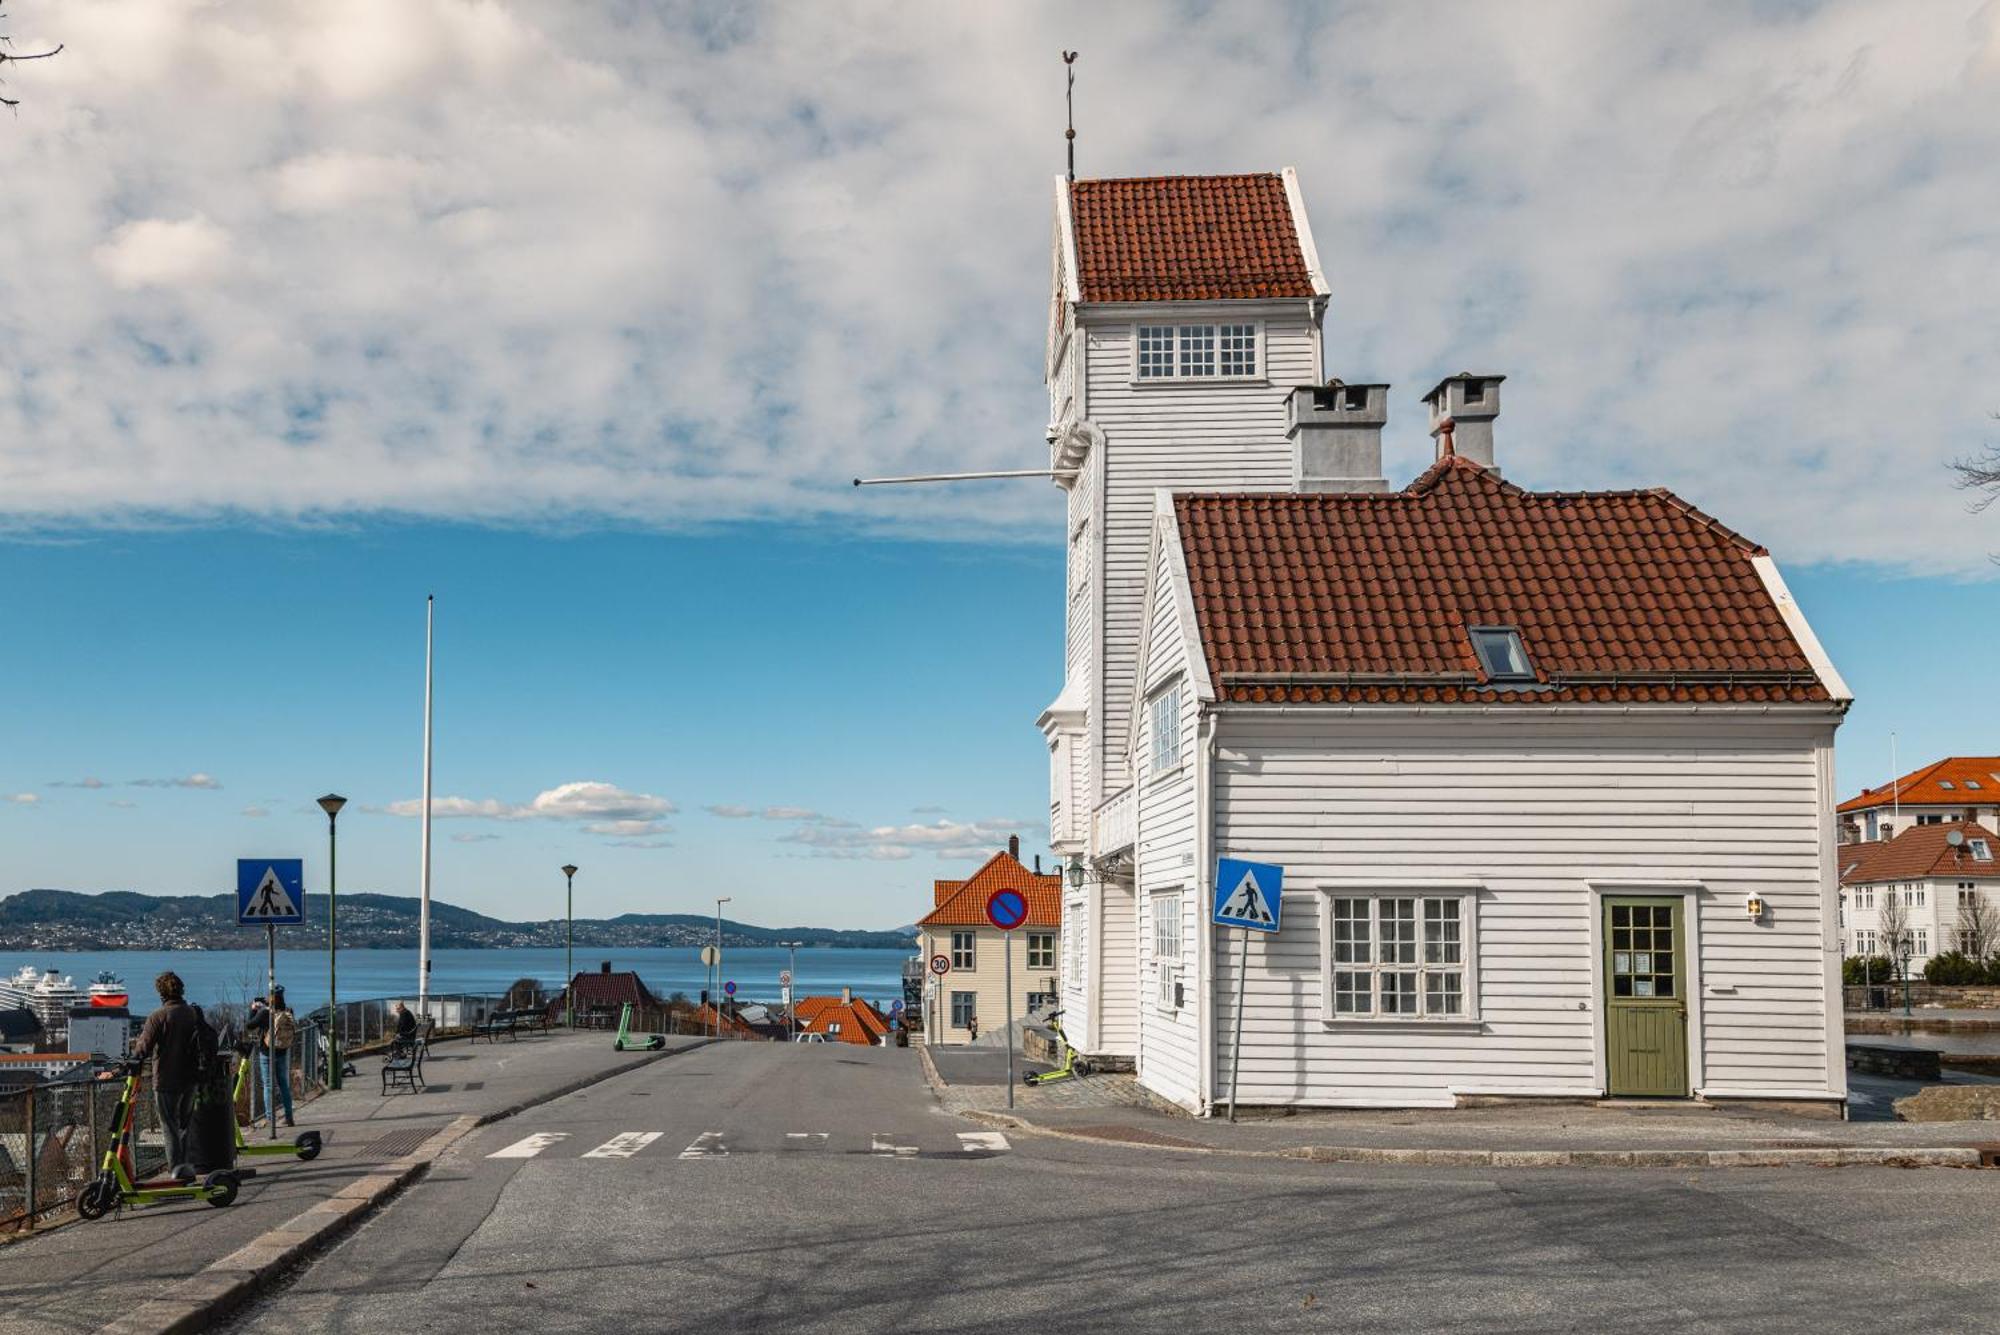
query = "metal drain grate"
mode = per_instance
[
  {"x": 398, "y": 1143},
  {"x": 1134, "y": 1135}
]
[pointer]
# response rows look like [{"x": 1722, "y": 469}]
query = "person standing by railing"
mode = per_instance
[{"x": 284, "y": 1032}]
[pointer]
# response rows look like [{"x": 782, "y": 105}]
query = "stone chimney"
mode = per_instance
[
  {"x": 846, "y": 994},
  {"x": 1463, "y": 407},
  {"x": 1336, "y": 434},
  {"x": 1014, "y": 847}
]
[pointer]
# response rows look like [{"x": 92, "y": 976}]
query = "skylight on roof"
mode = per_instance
[
  {"x": 1500, "y": 652},
  {"x": 1972, "y": 783},
  {"x": 1944, "y": 783},
  {"x": 1981, "y": 851}
]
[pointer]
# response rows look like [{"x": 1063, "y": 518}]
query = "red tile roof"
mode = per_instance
[
  {"x": 966, "y": 906},
  {"x": 1953, "y": 781},
  {"x": 733, "y": 1025},
  {"x": 605, "y": 991},
  {"x": 943, "y": 890},
  {"x": 1920, "y": 851},
  {"x": 1625, "y": 596},
  {"x": 860, "y": 1023},
  {"x": 1186, "y": 238}
]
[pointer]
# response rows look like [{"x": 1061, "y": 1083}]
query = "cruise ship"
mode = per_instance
[{"x": 45, "y": 992}]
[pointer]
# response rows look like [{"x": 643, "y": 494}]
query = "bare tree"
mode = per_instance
[
  {"x": 1894, "y": 921},
  {"x": 1981, "y": 473},
  {"x": 1978, "y": 925},
  {"x": 7, "y": 54}
]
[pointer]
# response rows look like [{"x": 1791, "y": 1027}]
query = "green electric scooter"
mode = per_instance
[
  {"x": 116, "y": 1185},
  {"x": 305, "y": 1145},
  {"x": 630, "y": 1042},
  {"x": 1074, "y": 1066}
]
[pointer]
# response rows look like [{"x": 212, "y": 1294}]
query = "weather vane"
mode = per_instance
[{"x": 1069, "y": 99}]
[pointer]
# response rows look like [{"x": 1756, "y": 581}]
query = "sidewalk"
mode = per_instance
[
  {"x": 1114, "y": 1109},
  {"x": 80, "y": 1276}
]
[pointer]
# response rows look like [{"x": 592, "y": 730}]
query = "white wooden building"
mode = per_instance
[
  {"x": 1944, "y": 883},
  {"x": 1550, "y": 774}
]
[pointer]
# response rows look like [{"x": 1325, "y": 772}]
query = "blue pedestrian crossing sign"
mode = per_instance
[
  {"x": 270, "y": 892},
  {"x": 1247, "y": 894}
]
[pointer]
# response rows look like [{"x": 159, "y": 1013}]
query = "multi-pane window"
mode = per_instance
[
  {"x": 1165, "y": 721},
  {"x": 1399, "y": 956},
  {"x": 1167, "y": 927},
  {"x": 1643, "y": 950},
  {"x": 1041, "y": 950},
  {"x": 1196, "y": 352},
  {"x": 1923, "y": 935},
  {"x": 1913, "y": 896},
  {"x": 962, "y": 950},
  {"x": 1864, "y": 897},
  {"x": 962, "y": 1009},
  {"x": 1239, "y": 349},
  {"x": 1864, "y": 943}
]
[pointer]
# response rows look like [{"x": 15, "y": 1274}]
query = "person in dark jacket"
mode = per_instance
[
  {"x": 169, "y": 1039},
  {"x": 406, "y": 1026},
  {"x": 256, "y": 1028}
]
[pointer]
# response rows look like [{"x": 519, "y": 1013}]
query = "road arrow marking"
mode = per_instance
[
  {"x": 982, "y": 1142},
  {"x": 707, "y": 1145},
  {"x": 624, "y": 1145},
  {"x": 884, "y": 1143},
  {"x": 805, "y": 1140},
  {"x": 529, "y": 1148}
]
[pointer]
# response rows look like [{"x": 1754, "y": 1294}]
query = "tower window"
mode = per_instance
[
  {"x": 1195, "y": 352},
  {"x": 1501, "y": 654}
]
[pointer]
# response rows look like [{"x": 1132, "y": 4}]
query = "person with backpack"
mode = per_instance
[
  {"x": 250, "y": 1047},
  {"x": 283, "y": 1033},
  {"x": 173, "y": 1038}
]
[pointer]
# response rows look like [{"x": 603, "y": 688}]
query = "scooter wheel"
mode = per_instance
[
  {"x": 220, "y": 1189},
  {"x": 308, "y": 1145},
  {"x": 95, "y": 1200},
  {"x": 1081, "y": 1067}
]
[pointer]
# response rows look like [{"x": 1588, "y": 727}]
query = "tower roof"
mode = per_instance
[{"x": 1188, "y": 238}]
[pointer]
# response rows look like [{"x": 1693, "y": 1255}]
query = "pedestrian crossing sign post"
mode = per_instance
[
  {"x": 270, "y": 892},
  {"x": 1248, "y": 895}
]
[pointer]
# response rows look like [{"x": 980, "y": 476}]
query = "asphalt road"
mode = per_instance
[{"x": 805, "y": 1187}]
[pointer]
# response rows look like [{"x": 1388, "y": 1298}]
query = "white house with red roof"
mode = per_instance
[
  {"x": 971, "y": 998},
  {"x": 1956, "y": 788},
  {"x": 1550, "y": 773},
  {"x": 1939, "y": 883}
]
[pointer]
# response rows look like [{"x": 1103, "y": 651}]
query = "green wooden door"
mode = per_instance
[{"x": 1645, "y": 1004}]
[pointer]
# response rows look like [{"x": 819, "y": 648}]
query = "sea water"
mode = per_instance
[{"x": 236, "y": 975}]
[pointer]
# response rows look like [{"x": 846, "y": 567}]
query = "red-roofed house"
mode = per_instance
[
  {"x": 1527, "y": 758},
  {"x": 1957, "y": 788},
  {"x": 975, "y": 990},
  {"x": 1944, "y": 878},
  {"x": 842, "y": 1019},
  {"x": 601, "y": 996}
]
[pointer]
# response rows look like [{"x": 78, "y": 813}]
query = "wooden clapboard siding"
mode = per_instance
[
  {"x": 1169, "y": 1039},
  {"x": 1118, "y": 969},
  {"x": 987, "y": 979},
  {"x": 1531, "y": 810},
  {"x": 1079, "y": 967},
  {"x": 1219, "y": 437}
]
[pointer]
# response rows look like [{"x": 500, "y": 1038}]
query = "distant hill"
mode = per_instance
[{"x": 124, "y": 920}]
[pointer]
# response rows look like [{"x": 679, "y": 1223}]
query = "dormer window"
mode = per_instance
[
  {"x": 1195, "y": 352},
  {"x": 1981, "y": 851},
  {"x": 1501, "y": 655}
]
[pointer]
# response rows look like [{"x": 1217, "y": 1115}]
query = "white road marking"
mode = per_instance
[
  {"x": 982, "y": 1142},
  {"x": 805, "y": 1140},
  {"x": 707, "y": 1145},
  {"x": 529, "y": 1148},
  {"x": 884, "y": 1143},
  {"x": 624, "y": 1145}
]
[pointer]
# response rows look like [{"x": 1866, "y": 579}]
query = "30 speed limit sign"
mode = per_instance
[{"x": 940, "y": 965}]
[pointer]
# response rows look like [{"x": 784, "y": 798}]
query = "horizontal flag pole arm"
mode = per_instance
[{"x": 963, "y": 477}]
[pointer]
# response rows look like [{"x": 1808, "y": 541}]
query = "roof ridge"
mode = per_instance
[{"x": 1177, "y": 176}]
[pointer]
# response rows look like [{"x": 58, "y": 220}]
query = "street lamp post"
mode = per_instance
[
  {"x": 1906, "y": 947},
  {"x": 331, "y": 805},
  {"x": 715, "y": 997},
  {"x": 792, "y": 990},
  {"x": 569, "y": 944}
]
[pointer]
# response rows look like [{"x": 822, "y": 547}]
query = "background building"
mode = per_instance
[{"x": 957, "y": 928}]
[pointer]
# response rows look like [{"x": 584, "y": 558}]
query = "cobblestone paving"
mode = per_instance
[{"x": 1096, "y": 1091}]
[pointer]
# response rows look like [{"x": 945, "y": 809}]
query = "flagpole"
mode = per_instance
[{"x": 424, "y": 892}]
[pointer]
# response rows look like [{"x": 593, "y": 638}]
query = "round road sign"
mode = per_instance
[
  {"x": 896, "y": 1008},
  {"x": 730, "y": 988},
  {"x": 940, "y": 965},
  {"x": 709, "y": 955},
  {"x": 784, "y": 978},
  {"x": 1006, "y": 909}
]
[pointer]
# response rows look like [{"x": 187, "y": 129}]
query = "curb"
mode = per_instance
[
  {"x": 222, "y": 1286},
  {"x": 932, "y": 1076},
  {"x": 1831, "y": 1156}
]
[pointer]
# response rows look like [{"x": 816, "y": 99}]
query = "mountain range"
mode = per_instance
[{"x": 125, "y": 920}]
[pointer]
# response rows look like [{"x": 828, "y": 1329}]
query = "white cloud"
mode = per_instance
[
  {"x": 158, "y": 252},
  {"x": 641, "y": 843},
  {"x": 600, "y": 808},
  {"x": 730, "y": 811},
  {"x": 887, "y": 843},
  {"x": 23, "y": 799},
  {"x": 1727, "y": 254},
  {"x": 77, "y": 783},
  {"x": 256, "y": 813},
  {"x": 471, "y": 837},
  {"x": 196, "y": 780}
]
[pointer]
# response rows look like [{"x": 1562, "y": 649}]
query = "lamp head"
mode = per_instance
[
  {"x": 569, "y": 869},
  {"x": 1076, "y": 872},
  {"x": 331, "y": 804}
]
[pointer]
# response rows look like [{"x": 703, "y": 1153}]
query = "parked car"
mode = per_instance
[{"x": 808, "y": 1038}]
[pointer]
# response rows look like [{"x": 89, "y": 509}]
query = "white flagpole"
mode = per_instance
[{"x": 424, "y": 903}]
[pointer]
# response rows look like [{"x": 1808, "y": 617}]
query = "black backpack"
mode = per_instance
[{"x": 203, "y": 1048}]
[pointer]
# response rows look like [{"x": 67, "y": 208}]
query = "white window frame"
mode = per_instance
[
  {"x": 968, "y": 957},
  {"x": 1167, "y": 946},
  {"x": 1864, "y": 941},
  {"x": 1163, "y": 750},
  {"x": 1178, "y": 348},
  {"x": 1374, "y": 891},
  {"x": 1049, "y": 955},
  {"x": 1922, "y": 938},
  {"x": 971, "y": 999}
]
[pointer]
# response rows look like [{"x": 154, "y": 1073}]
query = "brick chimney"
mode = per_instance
[
  {"x": 1335, "y": 431},
  {"x": 1462, "y": 408},
  {"x": 846, "y": 995},
  {"x": 1014, "y": 847}
]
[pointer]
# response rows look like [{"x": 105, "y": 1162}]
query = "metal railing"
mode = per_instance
[{"x": 52, "y": 1138}]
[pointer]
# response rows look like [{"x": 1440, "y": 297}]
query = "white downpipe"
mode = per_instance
[
  {"x": 424, "y": 878},
  {"x": 1204, "y": 873}
]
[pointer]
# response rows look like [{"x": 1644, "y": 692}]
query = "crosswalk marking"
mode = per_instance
[
  {"x": 805, "y": 1140},
  {"x": 884, "y": 1143},
  {"x": 707, "y": 1145},
  {"x": 530, "y": 1147},
  {"x": 982, "y": 1142},
  {"x": 624, "y": 1145}
]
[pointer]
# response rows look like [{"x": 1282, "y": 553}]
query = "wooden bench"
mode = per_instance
[
  {"x": 404, "y": 1066},
  {"x": 490, "y": 1029}
]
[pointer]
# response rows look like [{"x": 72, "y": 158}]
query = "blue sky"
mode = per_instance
[{"x": 582, "y": 316}]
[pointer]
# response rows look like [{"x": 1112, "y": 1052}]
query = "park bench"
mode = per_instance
[
  {"x": 494, "y": 1025},
  {"x": 404, "y": 1066}
]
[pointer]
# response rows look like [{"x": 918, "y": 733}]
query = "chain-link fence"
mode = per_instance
[{"x": 53, "y": 1137}]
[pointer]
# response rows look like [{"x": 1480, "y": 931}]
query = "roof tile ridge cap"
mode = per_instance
[
  {"x": 1182, "y": 176},
  {"x": 1706, "y": 520}
]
